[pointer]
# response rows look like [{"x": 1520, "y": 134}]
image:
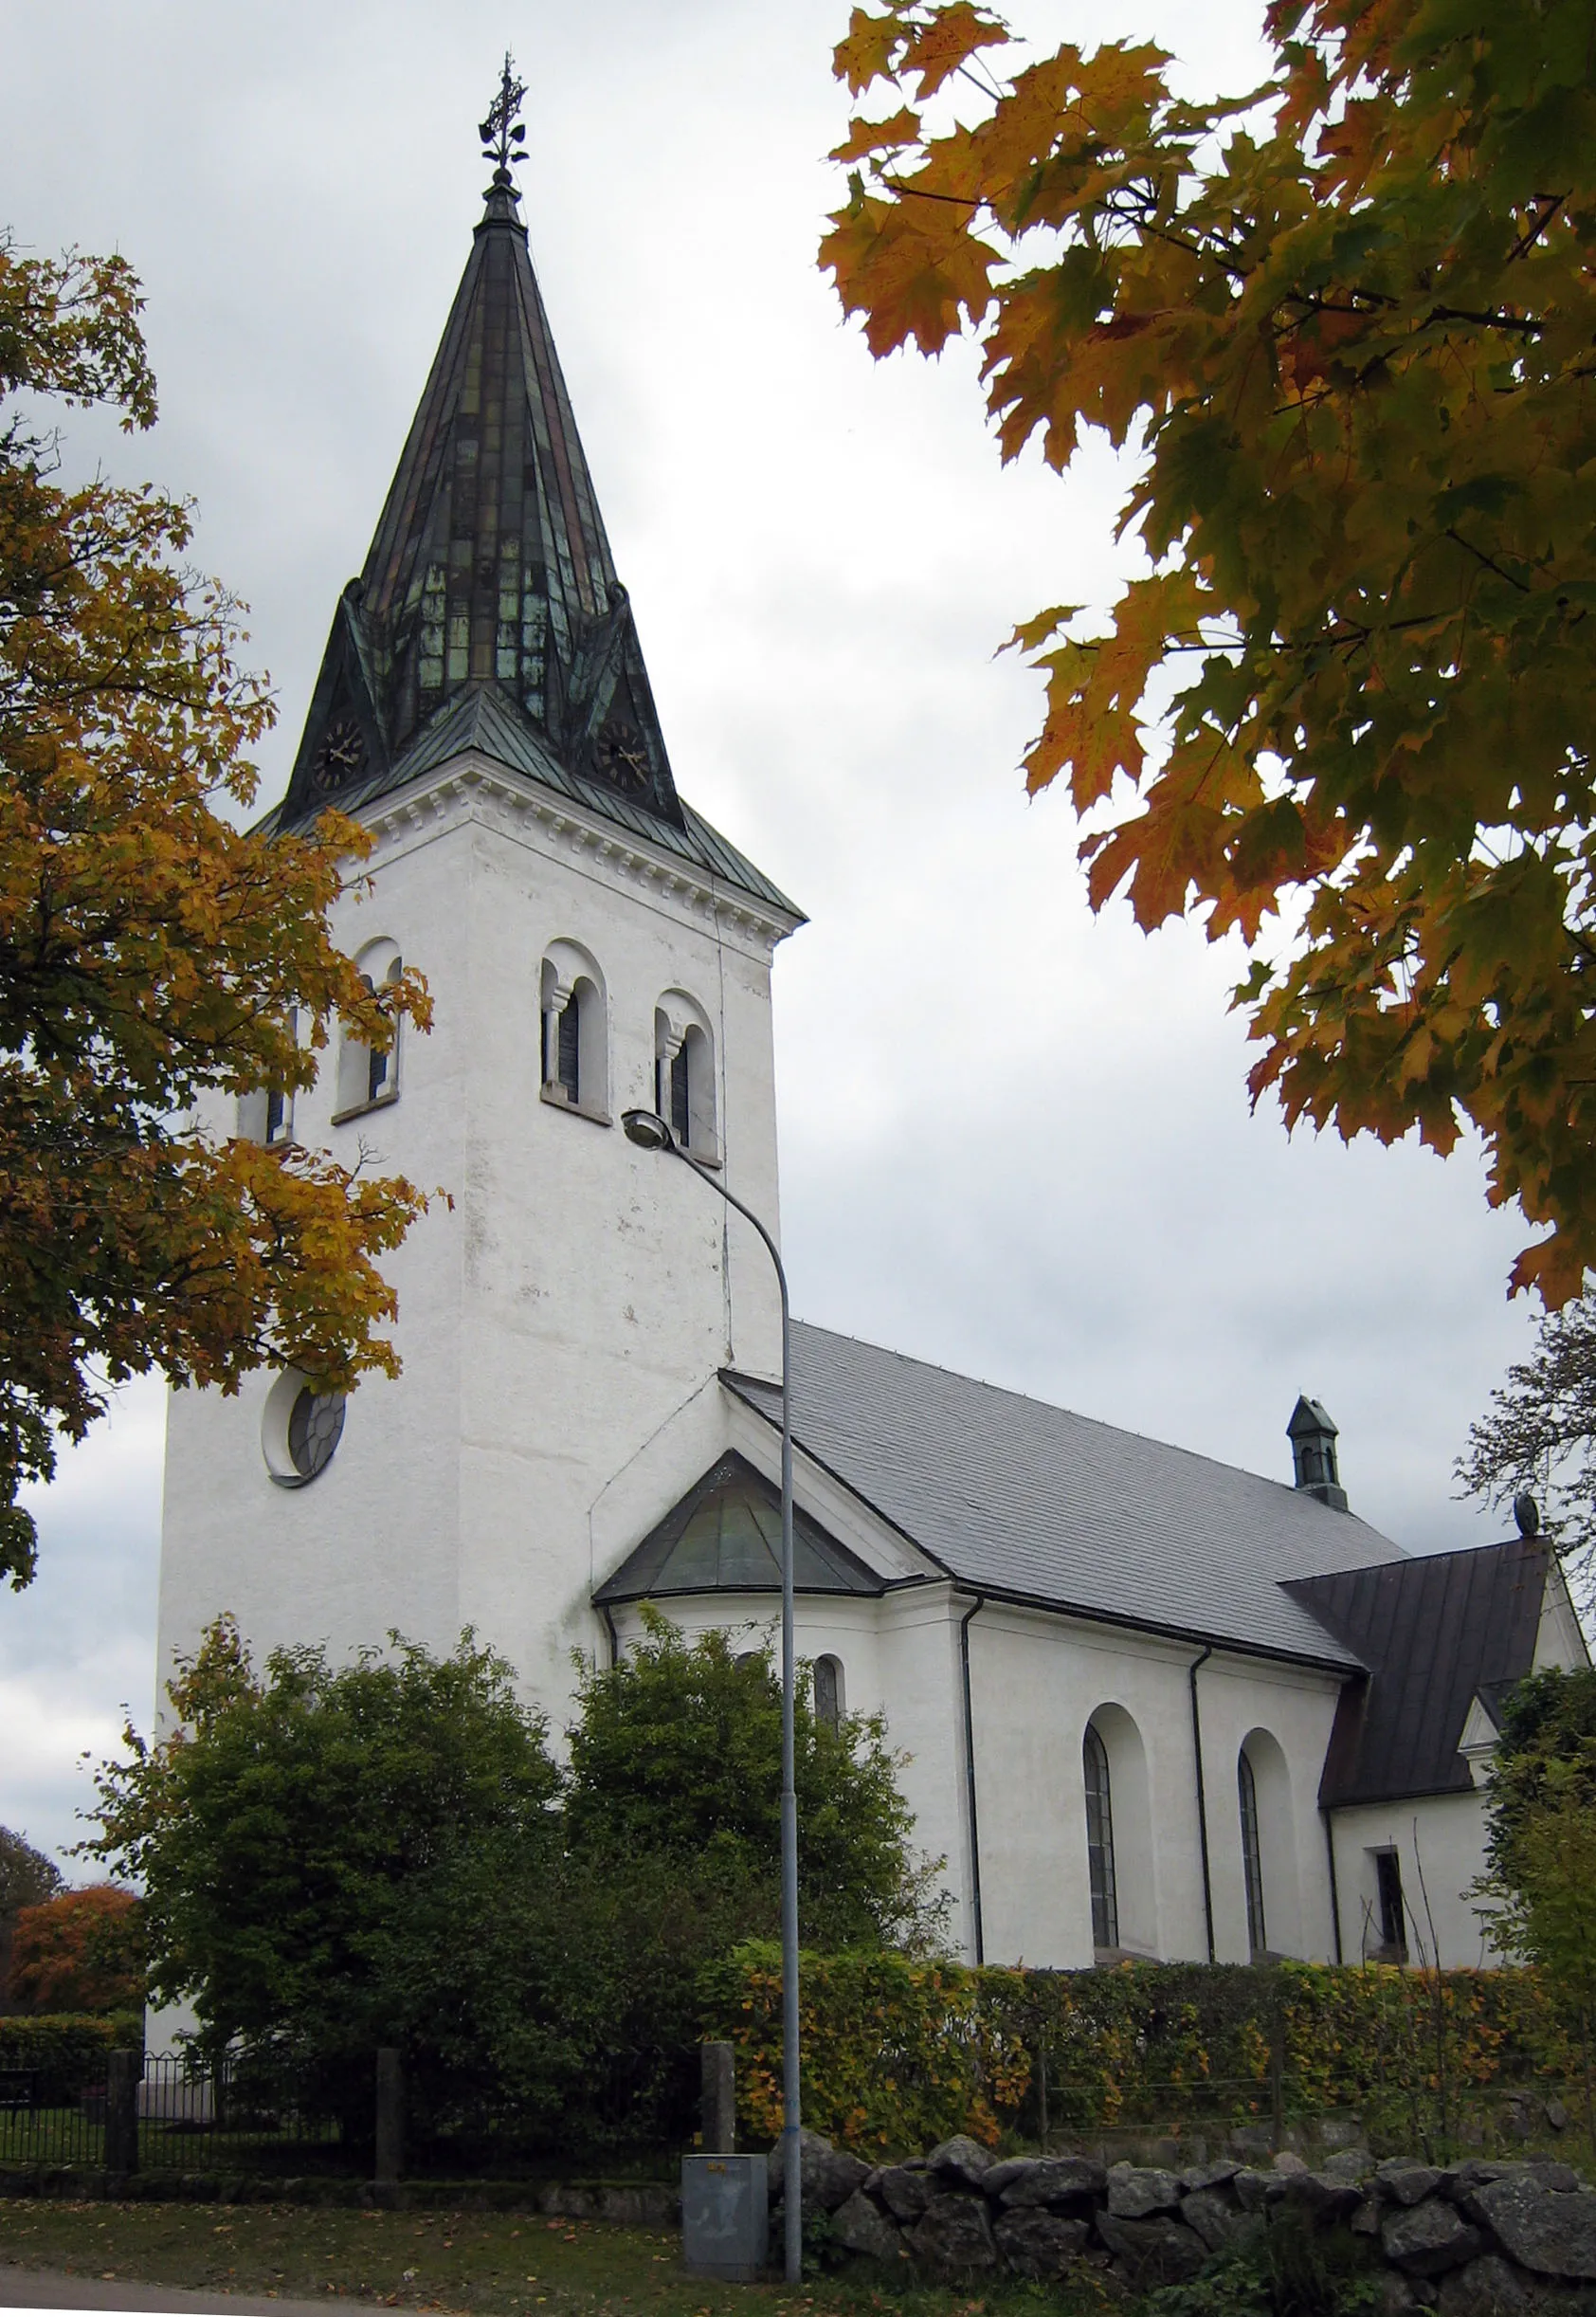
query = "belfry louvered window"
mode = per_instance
[
  {"x": 368, "y": 1074},
  {"x": 570, "y": 1039},
  {"x": 1099, "y": 1842},
  {"x": 376, "y": 1059},
  {"x": 1252, "y": 1857}
]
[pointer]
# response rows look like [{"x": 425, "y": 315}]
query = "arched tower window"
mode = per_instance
[
  {"x": 1252, "y": 1857},
  {"x": 828, "y": 1693},
  {"x": 567, "y": 1072},
  {"x": 267, "y": 1116},
  {"x": 1099, "y": 1842},
  {"x": 681, "y": 1094},
  {"x": 684, "y": 1074},
  {"x": 575, "y": 1031},
  {"x": 367, "y": 1074}
]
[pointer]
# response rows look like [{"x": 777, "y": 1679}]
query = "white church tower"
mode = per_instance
[{"x": 590, "y": 944}]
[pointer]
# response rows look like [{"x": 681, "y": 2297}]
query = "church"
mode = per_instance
[{"x": 1151, "y": 1706}]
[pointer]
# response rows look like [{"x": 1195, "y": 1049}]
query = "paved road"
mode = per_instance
[{"x": 50, "y": 2289}]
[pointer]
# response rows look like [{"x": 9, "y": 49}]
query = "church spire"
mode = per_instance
[{"x": 489, "y": 571}]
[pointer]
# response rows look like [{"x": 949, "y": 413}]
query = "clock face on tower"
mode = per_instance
[
  {"x": 620, "y": 756},
  {"x": 340, "y": 756}
]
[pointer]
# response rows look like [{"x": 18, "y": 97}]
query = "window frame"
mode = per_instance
[
  {"x": 1102, "y": 1878},
  {"x": 1388, "y": 1889},
  {"x": 1252, "y": 1856},
  {"x": 685, "y": 1076},
  {"x": 572, "y": 992},
  {"x": 386, "y": 954}
]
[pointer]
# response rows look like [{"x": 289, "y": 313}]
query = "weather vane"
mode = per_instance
[{"x": 504, "y": 137}]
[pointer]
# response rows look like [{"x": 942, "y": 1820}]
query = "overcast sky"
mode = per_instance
[{"x": 1014, "y": 1137}]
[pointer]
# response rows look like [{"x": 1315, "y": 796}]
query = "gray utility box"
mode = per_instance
[{"x": 725, "y": 2216}]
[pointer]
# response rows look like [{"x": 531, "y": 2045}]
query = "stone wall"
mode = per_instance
[{"x": 1476, "y": 2239}]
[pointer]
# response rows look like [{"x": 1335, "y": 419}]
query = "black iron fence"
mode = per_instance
[
  {"x": 121, "y": 2111},
  {"x": 73, "y": 2103}
]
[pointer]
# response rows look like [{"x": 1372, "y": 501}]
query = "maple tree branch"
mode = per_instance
[
  {"x": 1523, "y": 326},
  {"x": 1490, "y": 562},
  {"x": 1527, "y": 241},
  {"x": 957, "y": 201},
  {"x": 987, "y": 88}
]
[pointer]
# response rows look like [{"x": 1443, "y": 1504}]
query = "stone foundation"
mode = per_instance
[{"x": 1475, "y": 2240}]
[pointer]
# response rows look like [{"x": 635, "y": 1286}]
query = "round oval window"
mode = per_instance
[
  {"x": 315, "y": 1423},
  {"x": 301, "y": 1428}
]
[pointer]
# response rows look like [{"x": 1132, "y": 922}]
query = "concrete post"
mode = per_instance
[
  {"x": 122, "y": 2072},
  {"x": 719, "y": 2099},
  {"x": 391, "y": 2116}
]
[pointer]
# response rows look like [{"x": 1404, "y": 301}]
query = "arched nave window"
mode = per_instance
[
  {"x": 1099, "y": 1842},
  {"x": 1252, "y": 1857},
  {"x": 367, "y": 1075},
  {"x": 828, "y": 1693},
  {"x": 1274, "y": 1892},
  {"x": 576, "y": 1031},
  {"x": 684, "y": 1074}
]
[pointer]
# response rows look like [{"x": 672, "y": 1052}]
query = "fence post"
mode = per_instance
[
  {"x": 121, "y": 2112},
  {"x": 718, "y": 2065},
  {"x": 391, "y": 2116},
  {"x": 1277, "y": 2061}
]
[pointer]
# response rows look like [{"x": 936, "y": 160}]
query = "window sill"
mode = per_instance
[
  {"x": 557, "y": 1099},
  {"x": 359, "y": 1110}
]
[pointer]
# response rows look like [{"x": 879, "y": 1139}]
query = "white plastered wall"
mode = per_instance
[
  {"x": 579, "y": 1294},
  {"x": 1439, "y": 1843},
  {"x": 1037, "y": 1680}
]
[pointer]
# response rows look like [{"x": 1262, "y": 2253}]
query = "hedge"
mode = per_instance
[
  {"x": 67, "y": 2049},
  {"x": 898, "y": 2054}
]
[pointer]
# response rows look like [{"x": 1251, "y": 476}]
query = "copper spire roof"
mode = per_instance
[{"x": 489, "y": 570}]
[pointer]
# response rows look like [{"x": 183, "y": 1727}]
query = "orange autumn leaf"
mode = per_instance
[{"x": 1343, "y": 323}]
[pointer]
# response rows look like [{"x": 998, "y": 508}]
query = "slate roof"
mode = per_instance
[
  {"x": 484, "y": 722},
  {"x": 1019, "y": 1499},
  {"x": 725, "y": 1536},
  {"x": 1434, "y": 1630}
]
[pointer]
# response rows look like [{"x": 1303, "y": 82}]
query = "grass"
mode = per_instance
[{"x": 502, "y": 2264}]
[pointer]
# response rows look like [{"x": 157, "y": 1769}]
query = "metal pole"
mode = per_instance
[{"x": 791, "y": 2149}]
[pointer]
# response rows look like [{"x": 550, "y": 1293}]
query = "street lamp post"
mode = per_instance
[{"x": 650, "y": 1132}]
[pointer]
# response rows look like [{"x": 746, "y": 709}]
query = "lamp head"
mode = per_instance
[{"x": 647, "y": 1129}]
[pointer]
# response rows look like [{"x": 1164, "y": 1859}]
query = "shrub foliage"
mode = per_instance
[
  {"x": 388, "y": 1854},
  {"x": 899, "y": 2053}
]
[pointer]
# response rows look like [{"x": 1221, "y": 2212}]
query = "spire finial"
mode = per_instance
[{"x": 504, "y": 137}]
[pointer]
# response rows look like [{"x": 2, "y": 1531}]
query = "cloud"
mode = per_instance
[
  {"x": 1014, "y": 1137},
  {"x": 81, "y": 1642}
]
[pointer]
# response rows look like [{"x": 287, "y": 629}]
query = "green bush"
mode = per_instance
[{"x": 387, "y": 1852}]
